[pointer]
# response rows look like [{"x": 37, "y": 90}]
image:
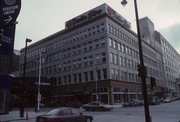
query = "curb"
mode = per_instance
[{"x": 17, "y": 119}]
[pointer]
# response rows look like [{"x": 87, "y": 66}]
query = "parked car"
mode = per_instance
[
  {"x": 42, "y": 105},
  {"x": 167, "y": 100},
  {"x": 74, "y": 103},
  {"x": 64, "y": 114},
  {"x": 97, "y": 105},
  {"x": 133, "y": 102},
  {"x": 154, "y": 101}
]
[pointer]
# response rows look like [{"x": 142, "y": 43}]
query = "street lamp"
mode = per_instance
[
  {"x": 24, "y": 77},
  {"x": 39, "y": 83},
  {"x": 142, "y": 69},
  {"x": 97, "y": 97}
]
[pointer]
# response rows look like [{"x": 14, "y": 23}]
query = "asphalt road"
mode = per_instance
[{"x": 165, "y": 112}]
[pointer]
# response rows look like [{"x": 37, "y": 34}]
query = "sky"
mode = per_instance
[{"x": 41, "y": 18}]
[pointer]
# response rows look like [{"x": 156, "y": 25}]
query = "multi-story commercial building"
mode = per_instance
[
  {"x": 169, "y": 54},
  {"x": 95, "y": 55}
]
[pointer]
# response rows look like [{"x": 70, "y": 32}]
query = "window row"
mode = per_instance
[
  {"x": 99, "y": 74},
  {"x": 69, "y": 39},
  {"x": 125, "y": 76},
  {"x": 122, "y": 61},
  {"x": 121, "y": 47},
  {"x": 121, "y": 35}
]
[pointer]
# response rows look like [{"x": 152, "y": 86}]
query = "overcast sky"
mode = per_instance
[{"x": 41, "y": 18}]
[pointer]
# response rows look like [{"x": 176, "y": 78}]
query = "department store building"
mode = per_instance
[{"x": 96, "y": 54}]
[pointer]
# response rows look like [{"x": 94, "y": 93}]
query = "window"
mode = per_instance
[
  {"x": 65, "y": 79},
  {"x": 79, "y": 75},
  {"x": 75, "y": 112},
  {"x": 120, "y": 60},
  {"x": 128, "y": 63},
  {"x": 125, "y": 75},
  {"x": 122, "y": 48},
  {"x": 97, "y": 58},
  {"x": 116, "y": 74},
  {"x": 75, "y": 78},
  {"x": 103, "y": 57},
  {"x": 74, "y": 64},
  {"x": 114, "y": 44},
  {"x": 59, "y": 80},
  {"x": 90, "y": 47},
  {"x": 127, "y": 50},
  {"x": 97, "y": 45},
  {"x": 69, "y": 65},
  {"x": 69, "y": 78},
  {"x": 115, "y": 59},
  {"x": 111, "y": 57},
  {"x": 98, "y": 74},
  {"x": 85, "y": 61},
  {"x": 102, "y": 42},
  {"x": 66, "y": 112},
  {"x": 119, "y": 46},
  {"x": 86, "y": 76},
  {"x": 110, "y": 41},
  {"x": 112, "y": 73},
  {"x": 90, "y": 60},
  {"x": 79, "y": 62},
  {"x": 105, "y": 73},
  {"x": 91, "y": 75},
  {"x": 123, "y": 61}
]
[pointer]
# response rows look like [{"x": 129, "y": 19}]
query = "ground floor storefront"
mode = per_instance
[{"x": 108, "y": 91}]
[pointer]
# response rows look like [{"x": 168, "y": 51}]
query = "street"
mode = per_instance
[{"x": 165, "y": 112}]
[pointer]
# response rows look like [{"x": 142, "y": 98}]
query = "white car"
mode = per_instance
[
  {"x": 96, "y": 105},
  {"x": 167, "y": 100}
]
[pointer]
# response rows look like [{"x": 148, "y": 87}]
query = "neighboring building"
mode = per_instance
[
  {"x": 97, "y": 52},
  {"x": 30, "y": 91},
  {"x": 15, "y": 64},
  {"x": 178, "y": 87},
  {"x": 169, "y": 54}
]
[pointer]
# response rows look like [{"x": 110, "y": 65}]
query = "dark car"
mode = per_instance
[
  {"x": 64, "y": 114},
  {"x": 154, "y": 101},
  {"x": 75, "y": 104},
  {"x": 96, "y": 105},
  {"x": 132, "y": 103}
]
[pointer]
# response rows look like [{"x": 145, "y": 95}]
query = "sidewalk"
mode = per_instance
[{"x": 15, "y": 115}]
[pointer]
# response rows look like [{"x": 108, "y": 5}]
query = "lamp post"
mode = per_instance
[
  {"x": 142, "y": 68},
  {"x": 39, "y": 83},
  {"x": 24, "y": 77},
  {"x": 97, "y": 97}
]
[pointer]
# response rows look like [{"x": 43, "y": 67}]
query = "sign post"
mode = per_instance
[{"x": 9, "y": 11}]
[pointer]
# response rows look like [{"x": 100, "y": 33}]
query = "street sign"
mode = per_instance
[
  {"x": 39, "y": 97},
  {"x": 9, "y": 11}
]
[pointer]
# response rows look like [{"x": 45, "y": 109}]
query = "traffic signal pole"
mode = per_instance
[{"x": 142, "y": 71}]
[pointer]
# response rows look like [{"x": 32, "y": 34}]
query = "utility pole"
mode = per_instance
[{"x": 141, "y": 67}]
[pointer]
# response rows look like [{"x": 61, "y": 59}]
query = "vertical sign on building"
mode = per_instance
[{"x": 9, "y": 11}]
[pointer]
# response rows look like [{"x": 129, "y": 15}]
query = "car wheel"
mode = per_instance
[{"x": 88, "y": 120}]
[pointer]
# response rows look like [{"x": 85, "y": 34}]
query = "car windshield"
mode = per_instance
[{"x": 53, "y": 112}]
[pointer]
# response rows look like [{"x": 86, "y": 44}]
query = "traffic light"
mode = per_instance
[
  {"x": 152, "y": 82},
  {"x": 141, "y": 70}
]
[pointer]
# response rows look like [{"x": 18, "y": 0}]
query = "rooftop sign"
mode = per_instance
[{"x": 97, "y": 12}]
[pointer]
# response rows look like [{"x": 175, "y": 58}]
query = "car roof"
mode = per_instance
[{"x": 63, "y": 108}]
